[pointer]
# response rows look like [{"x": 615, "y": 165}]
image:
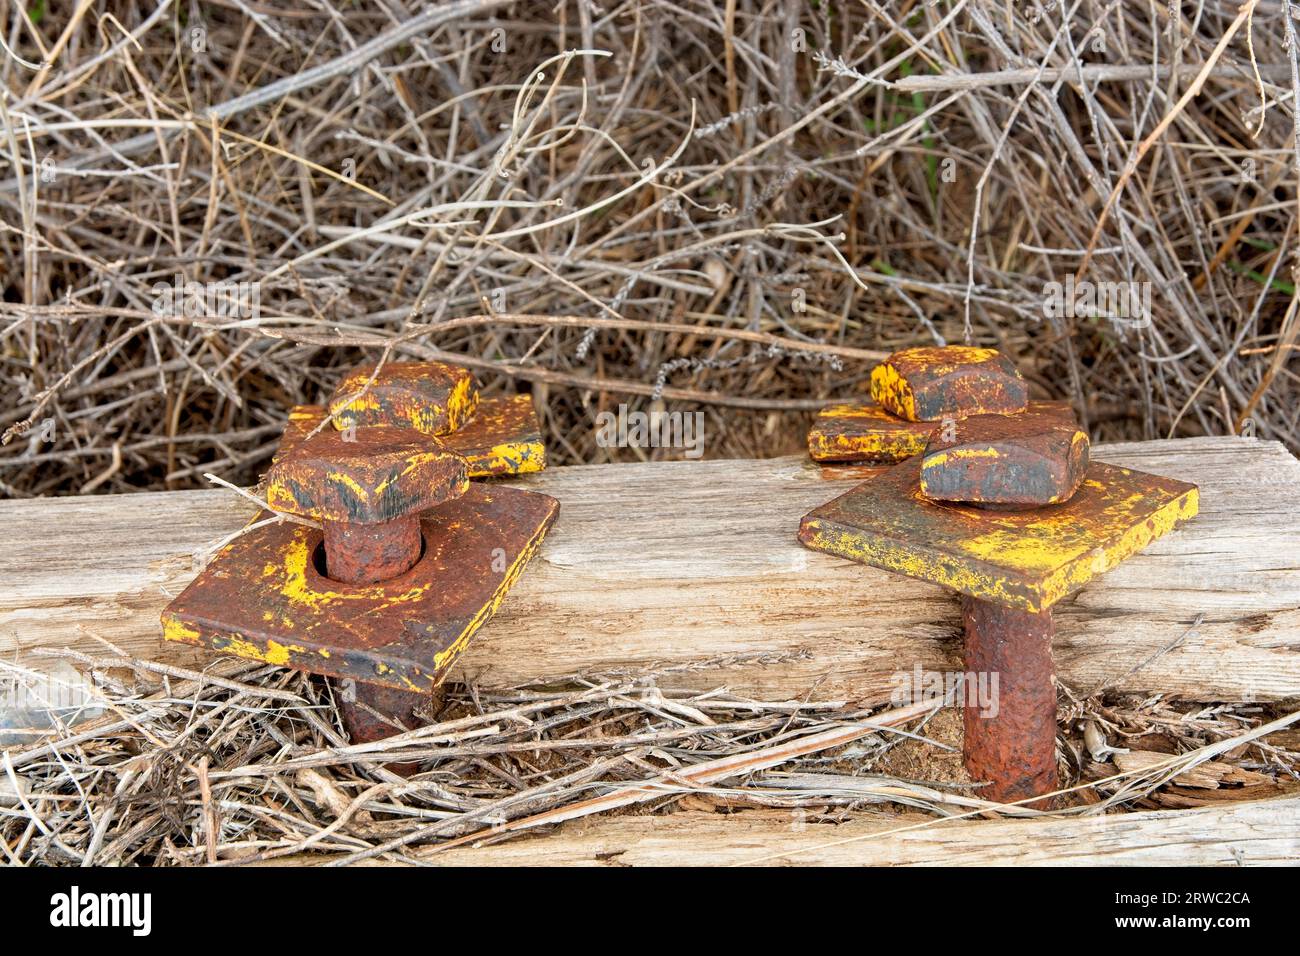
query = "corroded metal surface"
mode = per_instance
[
  {"x": 1025, "y": 460},
  {"x": 927, "y": 383},
  {"x": 866, "y": 432},
  {"x": 407, "y": 564},
  {"x": 398, "y": 710},
  {"x": 370, "y": 553},
  {"x": 371, "y": 713},
  {"x": 503, "y": 437},
  {"x": 1010, "y": 566},
  {"x": 1010, "y": 746},
  {"x": 433, "y": 398},
  {"x": 266, "y": 597},
  {"x": 377, "y": 477},
  {"x": 1022, "y": 559}
]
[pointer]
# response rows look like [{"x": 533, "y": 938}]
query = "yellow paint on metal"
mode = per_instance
[
  {"x": 958, "y": 454},
  {"x": 423, "y": 413},
  {"x": 347, "y": 481},
  {"x": 177, "y": 630},
  {"x": 508, "y": 458},
  {"x": 940, "y": 458},
  {"x": 444, "y": 658},
  {"x": 892, "y": 391},
  {"x": 274, "y": 653},
  {"x": 1025, "y": 559},
  {"x": 401, "y": 633},
  {"x": 367, "y": 485},
  {"x": 865, "y": 433},
  {"x": 277, "y": 653},
  {"x": 297, "y": 587},
  {"x": 496, "y": 457}
]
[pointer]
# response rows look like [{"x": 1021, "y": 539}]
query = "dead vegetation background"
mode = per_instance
[{"x": 728, "y": 206}]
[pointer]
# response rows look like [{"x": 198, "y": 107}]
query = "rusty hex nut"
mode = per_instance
[
  {"x": 928, "y": 383},
  {"x": 380, "y": 476},
  {"x": 1026, "y": 460},
  {"x": 433, "y": 398}
]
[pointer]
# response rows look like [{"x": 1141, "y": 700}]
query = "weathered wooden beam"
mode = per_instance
[
  {"x": 695, "y": 565},
  {"x": 1255, "y": 832}
]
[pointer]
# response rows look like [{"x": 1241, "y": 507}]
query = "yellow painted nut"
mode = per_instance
[
  {"x": 927, "y": 383},
  {"x": 377, "y": 476},
  {"x": 865, "y": 432},
  {"x": 1026, "y": 460},
  {"x": 503, "y": 438},
  {"x": 433, "y": 398}
]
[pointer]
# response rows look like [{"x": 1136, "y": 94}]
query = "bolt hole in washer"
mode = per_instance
[
  {"x": 320, "y": 566},
  {"x": 263, "y": 597}
]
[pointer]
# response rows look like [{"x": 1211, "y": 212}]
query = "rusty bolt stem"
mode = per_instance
[
  {"x": 1011, "y": 749},
  {"x": 370, "y": 553},
  {"x": 360, "y": 554},
  {"x": 359, "y": 704}
]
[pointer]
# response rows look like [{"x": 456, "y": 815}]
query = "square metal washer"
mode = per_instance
[
  {"x": 265, "y": 595},
  {"x": 1022, "y": 559}
]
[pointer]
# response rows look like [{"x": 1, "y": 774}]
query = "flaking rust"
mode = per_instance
[
  {"x": 376, "y": 476},
  {"x": 367, "y": 491},
  {"x": 410, "y": 560},
  {"x": 1010, "y": 567},
  {"x": 1012, "y": 746},
  {"x": 372, "y": 713},
  {"x": 433, "y": 398},
  {"x": 266, "y": 595},
  {"x": 1023, "y": 559}
]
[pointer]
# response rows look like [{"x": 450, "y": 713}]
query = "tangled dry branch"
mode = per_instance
[{"x": 747, "y": 203}]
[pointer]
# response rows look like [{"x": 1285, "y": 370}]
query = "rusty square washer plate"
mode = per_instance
[
  {"x": 1021, "y": 559},
  {"x": 866, "y": 432},
  {"x": 264, "y": 596},
  {"x": 503, "y": 438}
]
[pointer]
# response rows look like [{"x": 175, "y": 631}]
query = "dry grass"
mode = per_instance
[
  {"x": 385, "y": 172},
  {"x": 246, "y": 763}
]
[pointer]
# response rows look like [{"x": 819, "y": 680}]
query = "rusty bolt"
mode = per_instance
[
  {"x": 390, "y": 634},
  {"x": 928, "y": 383},
  {"x": 1023, "y": 461},
  {"x": 1013, "y": 750},
  {"x": 433, "y": 398},
  {"x": 368, "y": 494},
  {"x": 1010, "y": 567}
]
